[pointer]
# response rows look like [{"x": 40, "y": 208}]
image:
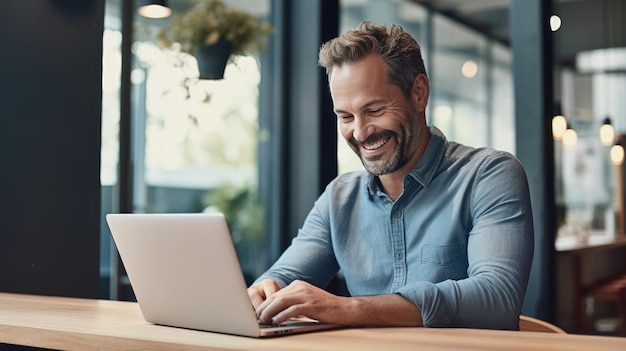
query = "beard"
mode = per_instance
[{"x": 406, "y": 141}]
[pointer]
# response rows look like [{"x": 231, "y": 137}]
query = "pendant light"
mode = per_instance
[
  {"x": 617, "y": 154},
  {"x": 154, "y": 9},
  {"x": 607, "y": 132},
  {"x": 559, "y": 126}
]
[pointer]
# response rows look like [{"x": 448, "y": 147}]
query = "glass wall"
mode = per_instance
[
  {"x": 589, "y": 177},
  {"x": 472, "y": 98},
  {"x": 590, "y": 85}
]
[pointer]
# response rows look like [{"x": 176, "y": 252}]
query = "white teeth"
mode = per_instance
[{"x": 377, "y": 145}]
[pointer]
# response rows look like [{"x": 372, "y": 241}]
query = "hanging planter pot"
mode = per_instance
[
  {"x": 212, "y": 59},
  {"x": 212, "y": 21}
]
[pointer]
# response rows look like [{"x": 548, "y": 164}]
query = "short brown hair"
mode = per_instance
[{"x": 398, "y": 49}]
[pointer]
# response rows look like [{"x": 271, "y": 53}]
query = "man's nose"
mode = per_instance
[{"x": 362, "y": 129}]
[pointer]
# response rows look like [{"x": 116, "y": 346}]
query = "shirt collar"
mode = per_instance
[{"x": 427, "y": 165}]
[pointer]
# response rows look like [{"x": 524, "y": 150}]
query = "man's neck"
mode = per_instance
[{"x": 392, "y": 184}]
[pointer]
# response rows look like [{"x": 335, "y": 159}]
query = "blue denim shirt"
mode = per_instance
[{"x": 458, "y": 242}]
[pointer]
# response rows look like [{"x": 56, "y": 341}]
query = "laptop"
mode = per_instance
[{"x": 184, "y": 272}]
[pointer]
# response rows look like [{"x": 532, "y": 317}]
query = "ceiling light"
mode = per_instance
[
  {"x": 607, "y": 132},
  {"x": 555, "y": 23},
  {"x": 617, "y": 154},
  {"x": 559, "y": 126},
  {"x": 154, "y": 9},
  {"x": 570, "y": 138}
]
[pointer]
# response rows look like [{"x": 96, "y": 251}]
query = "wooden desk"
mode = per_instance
[{"x": 82, "y": 324}]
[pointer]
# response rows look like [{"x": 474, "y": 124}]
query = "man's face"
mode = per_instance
[{"x": 379, "y": 123}]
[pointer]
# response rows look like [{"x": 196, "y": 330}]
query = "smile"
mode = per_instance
[{"x": 376, "y": 145}]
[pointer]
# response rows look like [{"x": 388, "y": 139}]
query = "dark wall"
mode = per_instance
[{"x": 50, "y": 107}]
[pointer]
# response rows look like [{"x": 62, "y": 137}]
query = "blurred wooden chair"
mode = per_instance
[{"x": 531, "y": 324}]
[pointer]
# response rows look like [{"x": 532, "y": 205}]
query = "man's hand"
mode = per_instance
[
  {"x": 262, "y": 291},
  {"x": 303, "y": 299},
  {"x": 297, "y": 299}
]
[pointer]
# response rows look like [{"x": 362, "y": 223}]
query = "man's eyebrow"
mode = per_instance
[{"x": 366, "y": 105}]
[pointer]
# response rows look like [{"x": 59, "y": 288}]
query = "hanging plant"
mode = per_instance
[{"x": 210, "y": 26}]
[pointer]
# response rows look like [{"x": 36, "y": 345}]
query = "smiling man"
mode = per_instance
[{"x": 433, "y": 233}]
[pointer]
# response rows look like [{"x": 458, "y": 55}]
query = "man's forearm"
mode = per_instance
[
  {"x": 390, "y": 310},
  {"x": 303, "y": 299}
]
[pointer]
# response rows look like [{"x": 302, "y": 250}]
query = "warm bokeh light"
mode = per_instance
[
  {"x": 469, "y": 69},
  {"x": 559, "y": 125},
  {"x": 607, "y": 134},
  {"x": 570, "y": 138},
  {"x": 154, "y": 11},
  {"x": 555, "y": 23},
  {"x": 617, "y": 155}
]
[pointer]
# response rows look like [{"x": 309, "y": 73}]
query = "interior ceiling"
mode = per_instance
[
  {"x": 490, "y": 17},
  {"x": 587, "y": 24}
]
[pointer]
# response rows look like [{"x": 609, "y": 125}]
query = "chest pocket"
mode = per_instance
[{"x": 441, "y": 262}]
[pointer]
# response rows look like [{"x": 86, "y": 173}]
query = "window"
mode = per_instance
[{"x": 194, "y": 141}]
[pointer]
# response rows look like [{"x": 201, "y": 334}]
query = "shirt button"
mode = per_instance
[
  {"x": 397, "y": 214},
  {"x": 399, "y": 255}
]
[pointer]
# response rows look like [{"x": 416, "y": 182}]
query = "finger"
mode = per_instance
[
  {"x": 261, "y": 313},
  {"x": 286, "y": 314},
  {"x": 269, "y": 312},
  {"x": 270, "y": 287},
  {"x": 261, "y": 291},
  {"x": 256, "y": 297}
]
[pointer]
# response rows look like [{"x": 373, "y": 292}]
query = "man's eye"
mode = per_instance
[
  {"x": 345, "y": 118},
  {"x": 377, "y": 112}
]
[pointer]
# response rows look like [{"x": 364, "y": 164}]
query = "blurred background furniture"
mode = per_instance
[
  {"x": 584, "y": 275},
  {"x": 613, "y": 291}
]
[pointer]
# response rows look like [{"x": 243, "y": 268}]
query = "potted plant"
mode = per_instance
[{"x": 212, "y": 32}]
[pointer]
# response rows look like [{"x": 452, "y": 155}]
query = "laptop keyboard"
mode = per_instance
[
  {"x": 289, "y": 323},
  {"x": 263, "y": 326}
]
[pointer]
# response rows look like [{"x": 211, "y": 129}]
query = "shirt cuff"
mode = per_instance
[{"x": 428, "y": 297}]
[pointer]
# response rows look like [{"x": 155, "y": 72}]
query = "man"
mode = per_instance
[{"x": 434, "y": 233}]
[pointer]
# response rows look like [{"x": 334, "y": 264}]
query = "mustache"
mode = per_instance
[{"x": 372, "y": 138}]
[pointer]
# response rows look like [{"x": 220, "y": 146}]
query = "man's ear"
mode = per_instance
[{"x": 420, "y": 92}]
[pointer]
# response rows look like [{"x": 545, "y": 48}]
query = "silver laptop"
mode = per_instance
[{"x": 185, "y": 273}]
